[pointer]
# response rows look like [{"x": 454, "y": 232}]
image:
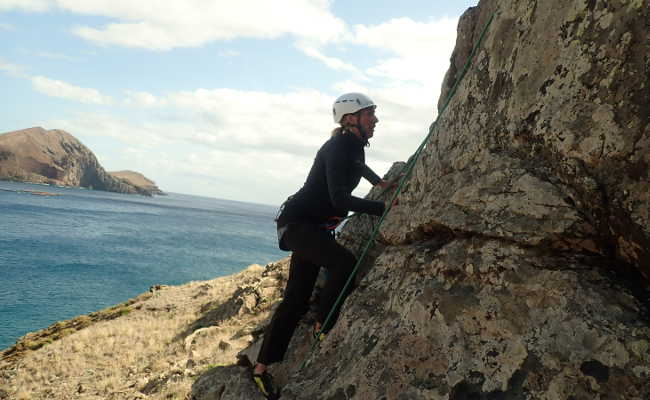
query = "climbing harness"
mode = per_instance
[{"x": 406, "y": 174}]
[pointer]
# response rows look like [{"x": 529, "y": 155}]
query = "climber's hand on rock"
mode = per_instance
[
  {"x": 381, "y": 238},
  {"x": 390, "y": 184},
  {"x": 384, "y": 184},
  {"x": 389, "y": 205}
]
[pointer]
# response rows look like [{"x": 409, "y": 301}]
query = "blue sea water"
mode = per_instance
[{"x": 83, "y": 250}]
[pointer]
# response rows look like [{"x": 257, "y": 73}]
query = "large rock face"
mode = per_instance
[
  {"x": 546, "y": 141},
  {"x": 56, "y": 157}
]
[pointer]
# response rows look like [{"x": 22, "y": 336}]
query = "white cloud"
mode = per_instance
[
  {"x": 247, "y": 145},
  {"x": 253, "y": 145},
  {"x": 29, "y": 5},
  {"x": 405, "y": 83},
  {"x": 49, "y": 55},
  {"x": 295, "y": 123},
  {"x": 229, "y": 53},
  {"x": 421, "y": 50},
  {"x": 332, "y": 62},
  {"x": 12, "y": 69},
  {"x": 404, "y": 36},
  {"x": 405, "y": 110},
  {"x": 98, "y": 127},
  {"x": 142, "y": 99},
  {"x": 54, "y": 56},
  {"x": 293, "y": 120},
  {"x": 154, "y": 25},
  {"x": 198, "y": 158},
  {"x": 271, "y": 176},
  {"x": 55, "y": 88},
  {"x": 411, "y": 73}
]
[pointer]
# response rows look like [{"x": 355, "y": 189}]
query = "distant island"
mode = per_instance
[{"x": 55, "y": 157}]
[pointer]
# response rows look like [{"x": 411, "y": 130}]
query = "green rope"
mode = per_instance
[{"x": 405, "y": 176}]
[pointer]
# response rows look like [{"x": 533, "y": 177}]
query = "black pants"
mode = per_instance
[{"x": 312, "y": 248}]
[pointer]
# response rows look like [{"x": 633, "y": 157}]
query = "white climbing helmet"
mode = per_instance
[{"x": 350, "y": 103}]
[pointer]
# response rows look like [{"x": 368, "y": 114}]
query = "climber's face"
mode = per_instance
[{"x": 367, "y": 120}]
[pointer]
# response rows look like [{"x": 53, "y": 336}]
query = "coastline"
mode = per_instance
[
  {"x": 185, "y": 325},
  {"x": 66, "y": 245},
  {"x": 34, "y": 192}
]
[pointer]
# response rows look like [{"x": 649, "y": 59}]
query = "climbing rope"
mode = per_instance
[{"x": 405, "y": 175}]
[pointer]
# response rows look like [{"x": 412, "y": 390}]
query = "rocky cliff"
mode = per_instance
[
  {"x": 514, "y": 267},
  {"x": 56, "y": 157},
  {"x": 137, "y": 179}
]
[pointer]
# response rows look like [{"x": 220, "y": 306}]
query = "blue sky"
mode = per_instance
[{"x": 219, "y": 98}]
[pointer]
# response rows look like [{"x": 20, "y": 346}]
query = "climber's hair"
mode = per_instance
[{"x": 345, "y": 123}]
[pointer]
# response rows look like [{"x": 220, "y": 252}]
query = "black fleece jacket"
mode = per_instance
[{"x": 336, "y": 172}]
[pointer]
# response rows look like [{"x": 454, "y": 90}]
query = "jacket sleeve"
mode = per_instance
[
  {"x": 338, "y": 164},
  {"x": 370, "y": 175}
]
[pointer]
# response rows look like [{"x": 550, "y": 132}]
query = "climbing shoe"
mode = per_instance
[
  {"x": 264, "y": 382},
  {"x": 319, "y": 336},
  {"x": 317, "y": 333}
]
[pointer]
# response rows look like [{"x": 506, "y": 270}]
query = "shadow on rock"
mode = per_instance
[{"x": 232, "y": 382}]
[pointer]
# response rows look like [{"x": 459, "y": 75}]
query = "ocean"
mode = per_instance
[{"x": 81, "y": 250}]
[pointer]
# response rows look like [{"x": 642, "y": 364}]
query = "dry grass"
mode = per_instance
[{"x": 147, "y": 352}]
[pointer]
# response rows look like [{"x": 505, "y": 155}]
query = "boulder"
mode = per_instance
[{"x": 231, "y": 382}]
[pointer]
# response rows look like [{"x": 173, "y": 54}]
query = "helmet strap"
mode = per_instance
[{"x": 362, "y": 132}]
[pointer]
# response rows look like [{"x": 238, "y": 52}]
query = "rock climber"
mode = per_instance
[{"x": 306, "y": 224}]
